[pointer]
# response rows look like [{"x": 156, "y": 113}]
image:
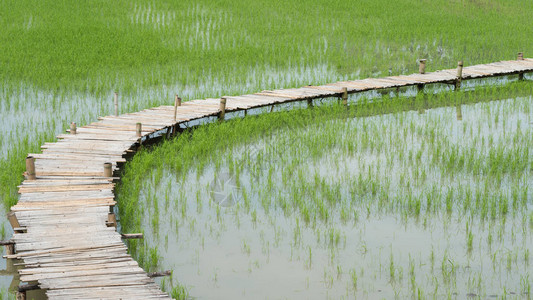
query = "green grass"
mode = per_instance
[{"x": 98, "y": 46}]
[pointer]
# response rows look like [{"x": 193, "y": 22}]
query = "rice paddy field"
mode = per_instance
[{"x": 417, "y": 196}]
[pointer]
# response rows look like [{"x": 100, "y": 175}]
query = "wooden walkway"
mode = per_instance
[{"x": 65, "y": 232}]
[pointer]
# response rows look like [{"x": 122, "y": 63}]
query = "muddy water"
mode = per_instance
[{"x": 245, "y": 233}]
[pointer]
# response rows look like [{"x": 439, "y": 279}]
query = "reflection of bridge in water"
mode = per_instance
[{"x": 64, "y": 223}]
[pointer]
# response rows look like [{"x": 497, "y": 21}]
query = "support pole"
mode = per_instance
[
  {"x": 138, "y": 129},
  {"x": 108, "y": 169},
  {"x": 72, "y": 128},
  {"x": 21, "y": 292},
  {"x": 116, "y": 103},
  {"x": 459, "y": 112},
  {"x": 177, "y": 102},
  {"x": 10, "y": 246},
  {"x": 222, "y": 109},
  {"x": 10, "y": 249},
  {"x": 20, "y": 295},
  {"x": 422, "y": 66},
  {"x": 520, "y": 57},
  {"x": 459, "y": 75},
  {"x": 111, "y": 220},
  {"x": 30, "y": 168},
  {"x": 345, "y": 96},
  {"x": 12, "y": 218}
]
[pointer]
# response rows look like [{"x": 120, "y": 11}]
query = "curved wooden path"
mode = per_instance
[{"x": 65, "y": 231}]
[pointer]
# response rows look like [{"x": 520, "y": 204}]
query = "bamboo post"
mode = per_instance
[
  {"x": 72, "y": 128},
  {"x": 116, "y": 103},
  {"x": 10, "y": 249},
  {"x": 20, "y": 295},
  {"x": 21, "y": 292},
  {"x": 222, "y": 109},
  {"x": 108, "y": 169},
  {"x": 345, "y": 96},
  {"x": 459, "y": 112},
  {"x": 459, "y": 75},
  {"x": 520, "y": 57},
  {"x": 30, "y": 168},
  {"x": 12, "y": 218},
  {"x": 422, "y": 66},
  {"x": 177, "y": 102},
  {"x": 111, "y": 220},
  {"x": 138, "y": 129}
]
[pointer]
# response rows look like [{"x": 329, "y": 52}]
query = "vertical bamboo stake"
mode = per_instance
[
  {"x": 108, "y": 170},
  {"x": 12, "y": 218},
  {"x": 459, "y": 75},
  {"x": 422, "y": 66},
  {"x": 222, "y": 109},
  {"x": 459, "y": 112},
  {"x": 10, "y": 249},
  {"x": 116, "y": 104},
  {"x": 345, "y": 96},
  {"x": 30, "y": 168},
  {"x": 138, "y": 129},
  {"x": 72, "y": 128},
  {"x": 177, "y": 102},
  {"x": 20, "y": 295},
  {"x": 111, "y": 220},
  {"x": 520, "y": 57}
]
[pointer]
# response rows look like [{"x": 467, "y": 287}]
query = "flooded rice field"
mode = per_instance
[{"x": 432, "y": 203}]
